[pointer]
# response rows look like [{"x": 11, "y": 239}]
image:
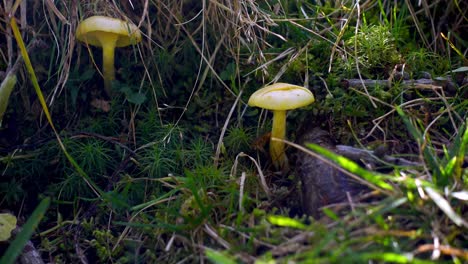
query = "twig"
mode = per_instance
[
  {"x": 447, "y": 250},
  {"x": 417, "y": 84},
  {"x": 357, "y": 154},
  {"x": 212, "y": 233},
  {"x": 293, "y": 245}
]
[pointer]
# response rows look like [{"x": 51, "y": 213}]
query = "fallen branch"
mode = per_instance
[
  {"x": 444, "y": 83},
  {"x": 372, "y": 157}
]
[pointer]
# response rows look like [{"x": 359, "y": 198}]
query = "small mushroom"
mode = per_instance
[
  {"x": 108, "y": 33},
  {"x": 279, "y": 98}
]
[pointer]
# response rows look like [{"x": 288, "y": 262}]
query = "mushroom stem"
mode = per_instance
[
  {"x": 108, "y": 71},
  {"x": 278, "y": 130},
  {"x": 279, "y": 98}
]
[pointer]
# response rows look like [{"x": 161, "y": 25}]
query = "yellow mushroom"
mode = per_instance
[
  {"x": 107, "y": 33},
  {"x": 279, "y": 98}
]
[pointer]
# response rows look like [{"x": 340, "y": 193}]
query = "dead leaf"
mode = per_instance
[{"x": 101, "y": 104}]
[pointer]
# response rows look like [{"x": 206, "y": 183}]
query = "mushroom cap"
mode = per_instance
[
  {"x": 281, "y": 96},
  {"x": 94, "y": 31}
]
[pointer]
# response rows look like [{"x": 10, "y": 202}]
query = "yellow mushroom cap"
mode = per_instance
[
  {"x": 281, "y": 96},
  {"x": 94, "y": 31}
]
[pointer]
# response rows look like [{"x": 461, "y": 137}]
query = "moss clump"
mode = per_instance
[{"x": 375, "y": 51}]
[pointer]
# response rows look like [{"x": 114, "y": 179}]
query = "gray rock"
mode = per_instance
[{"x": 322, "y": 184}]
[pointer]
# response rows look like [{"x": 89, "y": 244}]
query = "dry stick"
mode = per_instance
[
  {"x": 212, "y": 233},
  {"x": 418, "y": 83},
  {"x": 289, "y": 248},
  {"x": 446, "y": 250},
  {"x": 357, "y": 154},
  {"x": 248, "y": 237}
]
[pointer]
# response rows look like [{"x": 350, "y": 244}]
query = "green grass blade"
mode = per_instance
[
  {"x": 450, "y": 167},
  {"x": 461, "y": 153},
  {"x": 284, "y": 221},
  {"x": 349, "y": 165},
  {"x": 32, "y": 75},
  {"x": 390, "y": 257},
  {"x": 219, "y": 257},
  {"x": 5, "y": 90},
  {"x": 154, "y": 201},
  {"x": 16, "y": 247}
]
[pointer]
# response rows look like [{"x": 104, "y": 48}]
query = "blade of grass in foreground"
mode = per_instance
[
  {"x": 390, "y": 257},
  {"x": 285, "y": 222},
  {"x": 351, "y": 166},
  {"x": 40, "y": 96},
  {"x": 15, "y": 248},
  {"x": 219, "y": 257}
]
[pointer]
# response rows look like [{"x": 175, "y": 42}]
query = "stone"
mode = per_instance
[{"x": 322, "y": 184}]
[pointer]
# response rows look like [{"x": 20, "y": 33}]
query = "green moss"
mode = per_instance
[{"x": 373, "y": 49}]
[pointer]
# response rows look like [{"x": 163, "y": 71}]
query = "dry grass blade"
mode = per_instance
[
  {"x": 213, "y": 234},
  {"x": 53, "y": 8},
  {"x": 65, "y": 43},
  {"x": 223, "y": 131},
  {"x": 446, "y": 250},
  {"x": 445, "y": 207},
  {"x": 263, "y": 182}
]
